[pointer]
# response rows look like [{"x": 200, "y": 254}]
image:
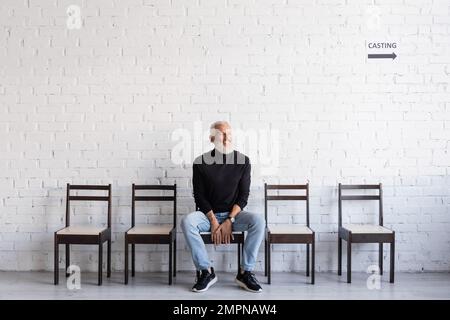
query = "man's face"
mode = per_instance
[{"x": 221, "y": 136}]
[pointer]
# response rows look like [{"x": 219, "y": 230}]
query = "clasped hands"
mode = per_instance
[{"x": 221, "y": 233}]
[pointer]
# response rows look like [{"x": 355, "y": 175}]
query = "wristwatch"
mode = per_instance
[{"x": 231, "y": 219}]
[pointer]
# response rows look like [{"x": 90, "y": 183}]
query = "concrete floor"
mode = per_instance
[{"x": 39, "y": 285}]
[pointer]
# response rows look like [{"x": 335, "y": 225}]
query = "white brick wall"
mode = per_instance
[{"x": 99, "y": 104}]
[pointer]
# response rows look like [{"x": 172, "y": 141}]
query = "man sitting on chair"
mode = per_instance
[{"x": 221, "y": 182}]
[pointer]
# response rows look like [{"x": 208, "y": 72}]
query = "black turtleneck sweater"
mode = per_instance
[{"x": 221, "y": 181}]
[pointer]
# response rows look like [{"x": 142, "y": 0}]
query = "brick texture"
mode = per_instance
[{"x": 100, "y": 104}]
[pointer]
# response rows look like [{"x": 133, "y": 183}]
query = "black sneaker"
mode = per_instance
[
  {"x": 204, "y": 280},
  {"x": 248, "y": 281}
]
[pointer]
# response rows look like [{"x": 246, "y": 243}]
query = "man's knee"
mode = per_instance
[
  {"x": 188, "y": 221},
  {"x": 257, "y": 221}
]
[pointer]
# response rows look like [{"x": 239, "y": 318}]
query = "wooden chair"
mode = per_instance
[
  {"x": 364, "y": 233},
  {"x": 239, "y": 238},
  {"x": 84, "y": 234},
  {"x": 289, "y": 233},
  {"x": 149, "y": 233}
]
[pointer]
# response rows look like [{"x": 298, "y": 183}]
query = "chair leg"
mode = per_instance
[
  {"x": 108, "y": 262},
  {"x": 307, "y": 259},
  {"x": 175, "y": 257},
  {"x": 100, "y": 262},
  {"x": 126, "y": 261},
  {"x": 392, "y": 266},
  {"x": 67, "y": 259},
  {"x": 339, "y": 256},
  {"x": 380, "y": 258},
  {"x": 133, "y": 258},
  {"x": 313, "y": 258},
  {"x": 349, "y": 261},
  {"x": 170, "y": 262},
  {"x": 265, "y": 258},
  {"x": 239, "y": 258},
  {"x": 56, "y": 261},
  {"x": 269, "y": 263}
]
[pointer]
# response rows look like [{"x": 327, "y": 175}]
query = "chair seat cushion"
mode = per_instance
[
  {"x": 366, "y": 228},
  {"x": 151, "y": 229},
  {"x": 81, "y": 230},
  {"x": 289, "y": 229}
]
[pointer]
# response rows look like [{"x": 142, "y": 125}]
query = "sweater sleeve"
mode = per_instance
[
  {"x": 200, "y": 195},
  {"x": 244, "y": 186}
]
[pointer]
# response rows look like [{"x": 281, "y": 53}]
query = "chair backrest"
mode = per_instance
[
  {"x": 378, "y": 197},
  {"x": 135, "y": 198},
  {"x": 70, "y": 197},
  {"x": 286, "y": 197}
]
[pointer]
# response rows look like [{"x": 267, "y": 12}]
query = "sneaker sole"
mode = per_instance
[
  {"x": 243, "y": 286},
  {"x": 207, "y": 287}
]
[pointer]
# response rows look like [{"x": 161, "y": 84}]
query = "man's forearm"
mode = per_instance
[
  {"x": 235, "y": 211},
  {"x": 210, "y": 215}
]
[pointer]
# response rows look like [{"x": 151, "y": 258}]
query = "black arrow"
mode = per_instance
[{"x": 382, "y": 56}]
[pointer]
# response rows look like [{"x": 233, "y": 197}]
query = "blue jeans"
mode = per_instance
[{"x": 197, "y": 222}]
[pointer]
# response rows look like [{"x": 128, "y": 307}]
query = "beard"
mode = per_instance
[{"x": 224, "y": 149}]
